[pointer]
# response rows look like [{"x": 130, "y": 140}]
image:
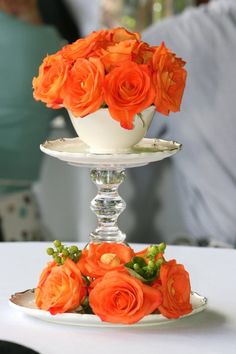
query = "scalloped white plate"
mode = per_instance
[
  {"x": 75, "y": 152},
  {"x": 24, "y": 302}
]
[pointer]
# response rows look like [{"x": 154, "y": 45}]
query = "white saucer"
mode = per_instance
[
  {"x": 24, "y": 302},
  {"x": 76, "y": 152}
]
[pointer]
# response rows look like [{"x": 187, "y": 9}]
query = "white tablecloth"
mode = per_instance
[{"x": 212, "y": 274}]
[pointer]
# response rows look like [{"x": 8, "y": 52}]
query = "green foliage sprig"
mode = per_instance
[{"x": 60, "y": 253}]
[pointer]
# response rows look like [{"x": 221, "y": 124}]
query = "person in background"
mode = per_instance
[
  {"x": 58, "y": 14},
  {"x": 205, "y": 170},
  {"x": 24, "y": 41}
]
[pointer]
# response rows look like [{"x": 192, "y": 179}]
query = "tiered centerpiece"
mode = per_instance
[{"x": 111, "y": 83}]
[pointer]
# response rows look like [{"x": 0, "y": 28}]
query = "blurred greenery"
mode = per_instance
[{"x": 136, "y": 15}]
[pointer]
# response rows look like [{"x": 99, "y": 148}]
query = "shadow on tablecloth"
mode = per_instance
[{"x": 13, "y": 348}]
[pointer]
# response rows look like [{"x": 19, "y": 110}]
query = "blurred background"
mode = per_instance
[{"x": 63, "y": 193}]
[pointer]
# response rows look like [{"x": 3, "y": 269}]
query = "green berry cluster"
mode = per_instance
[
  {"x": 154, "y": 250},
  {"x": 60, "y": 253},
  {"x": 147, "y": 270}
]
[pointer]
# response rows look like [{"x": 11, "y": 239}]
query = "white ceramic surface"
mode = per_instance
[
  {"x": 25, "y": 303},
  {"x": 104, "y": 134},
  {"x": 76, "y": 152}
]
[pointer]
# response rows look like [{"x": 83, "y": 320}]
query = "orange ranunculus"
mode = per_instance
[
  {"x": 52, "y": 76},
  {"x": 61, "y": 288},
  {"x": 83, "y": 89},
  {"x": 169, "y": 78},
  {"x": 175, "y": 289},
  {"x": 121, "y": 298},
  {"x": 128, "y": 90},
  {"x": 103, "y": 257}
]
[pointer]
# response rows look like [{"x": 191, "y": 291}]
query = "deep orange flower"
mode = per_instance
[
  {"x": 169, "y": 77},
  {"x": 128, "y": 91},
  {"x": 121, "y": 298},
  {"x": 174, "y": 285},
  {"x": 61, "y": 288},
  {"x": 83, "y": 89},
  {"x": 101, "y": 258},
  {"x": 52, "y": 76},
  {"x": 143, "y": 254}
]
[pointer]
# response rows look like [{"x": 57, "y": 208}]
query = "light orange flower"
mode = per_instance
[
  {"x": 61, "y": 288},
  {"x": 174, "y": 285},
  {"x": 129, "y": 50},
  {"x": 169, "y": 77},
  {"x": 128, "y": 91},
  {"x": 121, "y": 298},
  {"x": 101, "y": 258},
  {"x": 83, "y": 89},
  {"x": 120, "y": 34},
  {"x": 90, "y": 46},
  {"x": 49, "y": 83}
]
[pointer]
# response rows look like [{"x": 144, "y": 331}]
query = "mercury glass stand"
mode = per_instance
[{"x": 107, "y": 171}]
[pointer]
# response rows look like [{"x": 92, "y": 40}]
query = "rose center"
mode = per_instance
[{"x": 110, "y": 259}]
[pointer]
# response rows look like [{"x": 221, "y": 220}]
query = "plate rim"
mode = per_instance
[
  {"x": 133, "y": 150},
  {"x": 141, "y": 154},
  {"x": 91, "y": 320}
]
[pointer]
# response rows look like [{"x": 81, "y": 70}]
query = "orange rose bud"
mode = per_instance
[
  {"x": 121, "y": 298},
  {"x": 169, "y": 79},
  {"x": 128, "y": 91},
  {"x": 52, "y": 76},
  {"x": 83, "y": 90},
  {"x": 175, "y": 289},
  {"x": 101, "y": 258},
  {"x": 61, "y": 288}
]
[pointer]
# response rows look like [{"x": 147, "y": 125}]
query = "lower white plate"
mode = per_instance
[
  {"x": 24, "y": 302},
  {"x": 75, "y": 152}
]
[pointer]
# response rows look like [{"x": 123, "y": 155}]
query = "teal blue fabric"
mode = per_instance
[{"x": 24, "y": 123}]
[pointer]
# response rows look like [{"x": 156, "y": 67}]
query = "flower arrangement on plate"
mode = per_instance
[
  {"x": 114, "y": 282},
  {"x": 115, "y": 82}
]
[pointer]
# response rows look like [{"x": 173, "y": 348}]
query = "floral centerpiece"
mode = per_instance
[
  {"x": 113, "y": 72},
  {"x": 114, "y": 282}
]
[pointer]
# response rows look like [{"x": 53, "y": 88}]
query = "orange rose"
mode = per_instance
[
  {"x": 175, "y": 289},
  {"x": 89, "y": 46},
  {"x": 129, "y": 50},
  {"x": 120, "y": 298},
  {"x": 93, "y": 44},
  {"x": 101, "y": 258},
  {"x": 52, "y": 76},
  {"x": 128, "y": 91},
  {"x": 169, "y": 78},
  {"x": 83, "y": 90},
  {"x": 120, "y": 34},
  {"x": 61, "y": 288},
  {"x": 143, "y": 254}
]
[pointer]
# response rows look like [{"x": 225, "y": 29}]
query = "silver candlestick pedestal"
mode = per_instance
[{"x": 108, "y": 172}]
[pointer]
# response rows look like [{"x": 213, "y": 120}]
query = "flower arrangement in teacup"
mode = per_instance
[
  {"x": 114, "y": 282},
  {"x": 112, "y": 71}
]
